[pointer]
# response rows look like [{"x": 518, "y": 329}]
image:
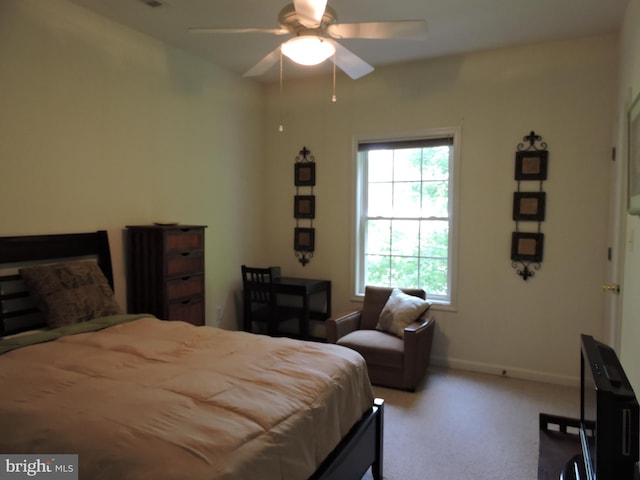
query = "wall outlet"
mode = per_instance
[{"x": 219, "y": 313}]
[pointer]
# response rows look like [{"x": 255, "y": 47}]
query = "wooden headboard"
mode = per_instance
[{"x": 17, "y": 311}]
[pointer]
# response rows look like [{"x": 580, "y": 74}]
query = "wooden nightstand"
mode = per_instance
[{"x": 166, "y": 271}]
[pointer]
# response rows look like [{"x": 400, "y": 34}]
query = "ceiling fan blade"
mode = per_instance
[
  {"x": 409, "y": 29},
  {"x": 263, "y": 65},
  {"x": 349, "y": 62},
  {"x": 310, "y": 12},
  {"x": 276, "y": 31}
]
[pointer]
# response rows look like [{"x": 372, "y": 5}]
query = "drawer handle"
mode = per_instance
[
  {"x": 184, "y": 279},
  {"x": 185, "y": 302},
  {"x": 185, "y": 254}
]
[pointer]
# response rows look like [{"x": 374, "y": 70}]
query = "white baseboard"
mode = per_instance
[{"x": 506, "y": 371}]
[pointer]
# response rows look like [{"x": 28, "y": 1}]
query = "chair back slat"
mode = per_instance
[{"x": 258, "y": 284}]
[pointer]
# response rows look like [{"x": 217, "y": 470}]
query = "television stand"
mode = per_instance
[
  {"x": 559, "y": 443},
  {"x": 574, "y": 469},
  {"x": 560, "y": 453}
]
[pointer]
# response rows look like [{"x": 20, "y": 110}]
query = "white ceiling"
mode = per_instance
[{"x": 453, "y": 26}]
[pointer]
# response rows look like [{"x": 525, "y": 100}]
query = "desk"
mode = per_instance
[{"x": 304, "y": 288}]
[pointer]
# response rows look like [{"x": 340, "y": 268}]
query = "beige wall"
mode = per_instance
[
  {"x": 565, "y": 91},
  {"x": 101, "y": 127},
  {"x": 629, "y": 89}
]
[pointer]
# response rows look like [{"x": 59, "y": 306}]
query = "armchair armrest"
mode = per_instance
[
  {"x": 418, "y": 339},
  {"x": 422, "y": 323},
  {"x": 341, "y": 324}
]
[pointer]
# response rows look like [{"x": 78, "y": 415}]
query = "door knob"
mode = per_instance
[{"x": 611, "y": 287}]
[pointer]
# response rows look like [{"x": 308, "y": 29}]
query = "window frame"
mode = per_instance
[{"x": 358, "y": 229}]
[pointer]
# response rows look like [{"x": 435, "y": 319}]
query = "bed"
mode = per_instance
[{"x": 136, "y": 397}]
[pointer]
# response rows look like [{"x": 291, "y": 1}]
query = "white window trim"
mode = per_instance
[{"x": 356, "y": 268}]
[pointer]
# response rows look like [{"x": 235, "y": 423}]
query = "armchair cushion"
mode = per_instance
[
  {"x": 377, "y": 348},
  {"x": 400, "y": 311},
  {"x": 375, "y": 298}
]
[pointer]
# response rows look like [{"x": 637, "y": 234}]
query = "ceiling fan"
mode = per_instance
[{"x": 315, "y": 28}]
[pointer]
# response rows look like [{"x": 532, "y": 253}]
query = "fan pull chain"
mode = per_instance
[
  {"x": 281, "y": 127},
  {"x": 333, "y": 98}
]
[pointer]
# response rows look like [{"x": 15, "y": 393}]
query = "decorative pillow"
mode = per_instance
[
  {"x": 400, "y": 310},
  {"x": 70, "y": 292}
]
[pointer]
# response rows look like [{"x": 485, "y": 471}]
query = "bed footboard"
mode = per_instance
[{"x": 359, "y": 450}]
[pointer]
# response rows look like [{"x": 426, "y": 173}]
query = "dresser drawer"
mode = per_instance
[
  {"x": 189, "y": 310},
  {"x": 183, "y": 287},
  {"x": 185, "y": 263},
  {"x": 183, "y": 240}
]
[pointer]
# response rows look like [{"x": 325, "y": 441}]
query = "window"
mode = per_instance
[{"x": 405, "y": 214}]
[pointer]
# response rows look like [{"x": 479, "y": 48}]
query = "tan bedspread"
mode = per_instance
[{"x": 149, "y": 399}]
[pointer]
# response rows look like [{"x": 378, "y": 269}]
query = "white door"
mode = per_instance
[{"x": 612, "y": 286}]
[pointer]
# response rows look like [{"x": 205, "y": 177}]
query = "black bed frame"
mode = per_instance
[{"x": 360, "y": 449}]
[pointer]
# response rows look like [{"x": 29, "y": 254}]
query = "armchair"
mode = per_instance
[{"x": 392, "y": 361}]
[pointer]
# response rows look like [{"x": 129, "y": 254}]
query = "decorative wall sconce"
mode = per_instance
[
  {"x": 304, "y": 206},
  {"x": 529, "y": 206}
]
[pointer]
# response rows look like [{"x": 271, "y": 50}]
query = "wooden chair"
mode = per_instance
[{"x": 260, "y": 301}]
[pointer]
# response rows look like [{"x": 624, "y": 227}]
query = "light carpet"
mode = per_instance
[{"x": 465, "y": 425}]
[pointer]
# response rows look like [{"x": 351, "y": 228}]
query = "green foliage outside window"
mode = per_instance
[{"x": 407, "y": 218}]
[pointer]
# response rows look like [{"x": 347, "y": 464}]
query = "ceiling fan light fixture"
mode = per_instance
[{"x": 308, "y": 50}]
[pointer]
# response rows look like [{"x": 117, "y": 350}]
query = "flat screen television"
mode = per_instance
[{"x": 608, "y": 414}]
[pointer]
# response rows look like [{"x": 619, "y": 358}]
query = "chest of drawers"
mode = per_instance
[{"x": 165, "y": 275}]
